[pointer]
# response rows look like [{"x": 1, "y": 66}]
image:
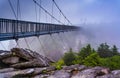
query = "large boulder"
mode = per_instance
[
  {"x": 7, "y": 70},
  {"x": 22, "y": 53},
  {"x": 5, "y": 54},
  {"x": 11, "y": 60},
  {"x": 18, "y": 73},
  {"x": 107, "y": 76},
  {"x": 24, "y": 58},
  {"x": 116, "y": 73},
  {"x": 11, "y": 72},
  {"x": 60, "y": 74},
  {"x": 92, "y": 72}
]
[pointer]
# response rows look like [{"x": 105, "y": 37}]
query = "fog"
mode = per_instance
[
  {"x": 55, "y": 45},
  {"x": 99, "y": 21},
  {"x": 101, "y": 33}
]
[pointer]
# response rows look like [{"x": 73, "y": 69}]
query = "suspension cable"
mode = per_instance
[
  {"x": 39, "y": 21},
  {"x": 18, "y": 13},
  {"x": 47, "y": 12},
  {"x": 61, "y": 12},
  {"x": 3, "y": 45},
  {"x": 42, "y": 47},
  {"x": 64, "y": 41},
  {"x": 56, "y": 46},
  {"x": 40, "y": 2},
  {"x": 12, "y": 9},
  {"x": 40, "y": 10},
  {"x": 61, "y": 40},
  {"x": 66, "y": 38},
  {"x": 36, "y": 12},
  {"x": 60, "y": 16},
  {"x": 27, "y": 43},
  {"x": 17, "y": 43},
  {"x": 52, "y": 12},
  {"x": 46, "y": 18},
  {"x": 19, "y": 9},
  {"x": 54, "y": 41}
]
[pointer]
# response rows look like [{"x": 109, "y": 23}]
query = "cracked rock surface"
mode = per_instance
[{"x": 24, "y": 63}]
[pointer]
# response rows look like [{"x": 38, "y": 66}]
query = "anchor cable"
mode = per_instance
[
  {"x": 3, "y": 45},
  {"x": 12, "y": 9},
  {"x": 47, "y": 12},
  {"x": 61, "y": 12}
]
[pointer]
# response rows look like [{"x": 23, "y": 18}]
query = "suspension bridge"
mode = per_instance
[{"x": 14, "y": 29}]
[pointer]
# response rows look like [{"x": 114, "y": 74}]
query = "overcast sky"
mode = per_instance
[
  {"x": 100, "y": 17},
  {"x": 78, "y": 11}
]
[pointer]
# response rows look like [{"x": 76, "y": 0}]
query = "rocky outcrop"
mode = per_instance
[
  {"x": 92, "y": 72},
  {"x": 21, "y": 58},
  {"x": 24, "y": 63}
]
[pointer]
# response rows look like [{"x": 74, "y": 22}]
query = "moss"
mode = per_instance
[{"x": 58, "y": 64}]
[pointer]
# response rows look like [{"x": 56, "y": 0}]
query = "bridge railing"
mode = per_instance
[
  {"x": 15, "y": 26},
  {"x": 18, "y": 28}
]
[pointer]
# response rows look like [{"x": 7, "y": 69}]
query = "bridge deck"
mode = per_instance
[{"x": 14, "y": 29}]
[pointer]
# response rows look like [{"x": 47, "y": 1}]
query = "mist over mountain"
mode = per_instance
[
  {"x": 103, "y": 32},
  {"x": 98, "y": 19}
]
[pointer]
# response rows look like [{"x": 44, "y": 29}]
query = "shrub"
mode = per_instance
[
  {"x": 85, "y": 51},
  {"x": 59, "y": 64},
  {"x": 92, "y": 60},
  {"x": 69, "y": 58},
  {"x": 112, "y": 62},
  {"x": 78, "y": 60}
]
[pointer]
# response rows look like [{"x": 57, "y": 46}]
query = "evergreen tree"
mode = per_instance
[
  {"x": 114, "y": 50},
  {"x": 85, "y": 51},
  {"x": 104, "y": 51},
  {"x": 69, "y": 57}
]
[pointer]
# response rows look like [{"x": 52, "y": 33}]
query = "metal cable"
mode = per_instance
[
  {"x": 18, "y": 11},
  {"x": 47, "y": 12},
  {"x": 52, "y": 12},
  {"x": 27, "y": 43},
  {"x": 42, "y": 47},
  {"x": 3, "y": 45},
  {"x": 40, "y": 11},
  {"x": 17, "y": 43},
  {"x": 66, "y": 42},
  {"x": 32, "y": 40},
  {"x": 16, "y": 15},
  {"x": 36, "y": 12},
  {"x": 61, "y": 40},
  {"x": 66, "y": 38},
  {"x": 12, "y": 9},
  {"x": 58, "y": 50},
  {"x": 54, "y": 42},
  {"x": 61, "y": 12},
  {"x": 46, "y": 18},
  {"x": 60, "y": 16}
]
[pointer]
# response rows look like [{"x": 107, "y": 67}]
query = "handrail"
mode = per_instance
[{"x": 18, "y": 28}]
